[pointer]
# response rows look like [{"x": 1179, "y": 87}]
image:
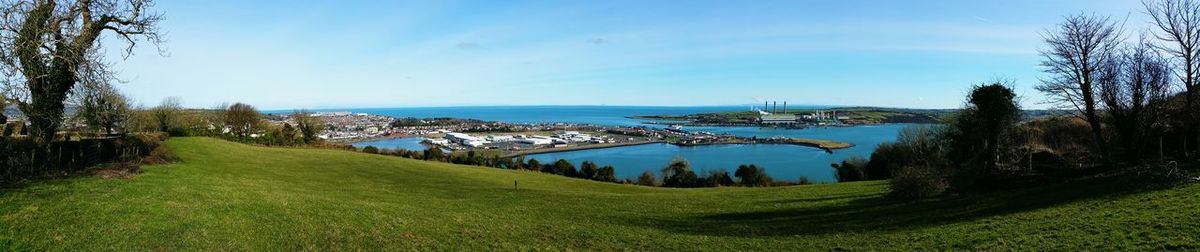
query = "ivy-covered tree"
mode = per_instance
[{"x": 47, "y": 47}]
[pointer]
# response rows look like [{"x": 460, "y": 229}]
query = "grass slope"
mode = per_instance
[{"x": 228, "y": 196}]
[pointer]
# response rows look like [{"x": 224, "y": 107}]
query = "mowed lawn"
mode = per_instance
[{"x": 229, "y": 196}]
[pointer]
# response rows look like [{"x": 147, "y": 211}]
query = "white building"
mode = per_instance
[
  {"x": 464, "y": 139},
  {"x": 438, "y": 141},
  {"x": 536, "y": 140},
  {"x": 496, "y": 139},
  {"x": 573, "y": 136}
]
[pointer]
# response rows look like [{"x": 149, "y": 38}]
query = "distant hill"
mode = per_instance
[
  {"x": 855, "y": 115},
  {"x": 13, "y": 112}
]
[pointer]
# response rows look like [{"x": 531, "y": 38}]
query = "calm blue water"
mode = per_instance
[
  {"x": 405, "y": 143},
  {"x": 784, "y": 162}
]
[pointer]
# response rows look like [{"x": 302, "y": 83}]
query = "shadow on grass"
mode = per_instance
[
  {"x": 876, "y": 213},
  {"x": 836, "y": 197}
]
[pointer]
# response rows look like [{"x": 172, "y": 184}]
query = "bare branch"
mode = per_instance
[{"x": 1079, "y": 55}]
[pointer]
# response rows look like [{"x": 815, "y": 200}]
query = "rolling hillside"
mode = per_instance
[{"x": 228, "y": 196}]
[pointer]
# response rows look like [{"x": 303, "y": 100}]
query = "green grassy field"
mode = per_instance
[{"x": 228, "y": 196}]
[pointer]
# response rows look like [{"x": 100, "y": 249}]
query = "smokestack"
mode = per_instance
[
  {"x": 774, "y": 107},
  {"x": 785, "y": 107},
  {"x": 765, "y": 107}
]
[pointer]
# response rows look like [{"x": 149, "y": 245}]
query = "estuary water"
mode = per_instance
[
  {"x": 783, "y": 162},
  {"x": 404, "y": 143}
]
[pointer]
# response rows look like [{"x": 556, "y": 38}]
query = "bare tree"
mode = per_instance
[
  {"x": 102, "y": 107},
  {"x": 1078, "y": 48},
  {"x": 1134, "y": 86},
  {"x": 242, "y": 119},
  {"x": 51, "y": 45},
  {"x": 1178, "y": 23}
]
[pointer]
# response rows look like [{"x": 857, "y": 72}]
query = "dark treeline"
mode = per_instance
[
  {"x": 986, "y": 147},
  {"x": 106, "y": 130},
  {"x": 1132, "y": 104},
  {"x": 24, "y": 159}
]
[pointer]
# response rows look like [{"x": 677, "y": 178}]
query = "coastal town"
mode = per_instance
[{"x": 519, "y": 138}]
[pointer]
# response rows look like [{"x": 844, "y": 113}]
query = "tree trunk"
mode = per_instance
[
  {"x": 1190, "y": 132},
  {"x": 46, "y": 106},
  {"x": 1192, "y": 115},
  {"x": 1094, "y": 122}
]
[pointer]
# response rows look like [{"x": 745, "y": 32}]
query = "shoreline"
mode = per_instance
[
  {"x": 804, "y": 142},
  {"x": 826, "y": 145},
  {"x": 687, "y": 123},
  {"x": 378, "y": 138},
  {"x": 579, "y": 147}
]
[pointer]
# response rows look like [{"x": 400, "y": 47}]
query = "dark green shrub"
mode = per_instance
[
  {"x": 588, "y": 170},
  {"x": 434, "y": 153},
  {"x": 562, "y": 167},
  {"x": 534, "y": 165},
  {"x": 679, "y": 174},
  {"x": 752, "y": 175},
  {"x": 915, "y": 182},
  {"x": 370, "y": 149},
  {"x": 803, "y": 180},
  {"x": 851, "y": 169},
  {"x": 915, "y": 145},
  {"x": 978, "y": 135},
  {"x": 717, "y": 178},
  {"x": 518, "y": 163},
  {"x": 606, "y": 174},
  {"x": 647, "y": 179}
]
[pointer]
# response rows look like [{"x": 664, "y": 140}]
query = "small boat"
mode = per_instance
[{"x": 675, "y": 127}]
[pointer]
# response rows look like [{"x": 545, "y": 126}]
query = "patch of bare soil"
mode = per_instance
[{"x": 118, "y": 171}]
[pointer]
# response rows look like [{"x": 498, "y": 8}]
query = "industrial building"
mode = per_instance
[
  {"x": 536, "y": 140},
  {"x": 776, "y": 117},
  {"x": 500, "y": 138},
  {"x": 464, "y": 139}
]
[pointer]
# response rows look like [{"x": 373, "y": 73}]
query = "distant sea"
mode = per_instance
[{"x": 784, "y": 162}]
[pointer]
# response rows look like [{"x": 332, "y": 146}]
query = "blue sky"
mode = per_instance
[{"x": 339, "y": 54}]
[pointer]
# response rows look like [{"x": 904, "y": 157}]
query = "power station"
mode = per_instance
[{"x": 771, "y": 114}]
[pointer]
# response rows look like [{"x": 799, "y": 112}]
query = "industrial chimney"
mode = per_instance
[
  {"x": 785, "y": 107},
  {"x": 774, "y": 107}
]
